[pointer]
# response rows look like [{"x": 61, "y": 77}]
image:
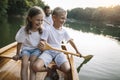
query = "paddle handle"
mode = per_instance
[
  {"x": 67, "y": 52},
  {"x": 48, "y": 47},
  {"x": 6, "y": 57}
]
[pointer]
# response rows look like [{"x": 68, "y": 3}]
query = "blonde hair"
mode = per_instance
[
  {"x": 33, "y": 11},
  {"x": 58, "y": 10}
]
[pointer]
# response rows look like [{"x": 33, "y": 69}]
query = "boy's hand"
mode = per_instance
[
  {"x": 16, "y": 57},
  {"x": 79, "y": 54}
]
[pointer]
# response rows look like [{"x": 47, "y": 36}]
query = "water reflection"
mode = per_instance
[
  {"x": 9, "y": 27},
  {"x": 106, "y": 61},
  {"x": 96, "y": 27}
]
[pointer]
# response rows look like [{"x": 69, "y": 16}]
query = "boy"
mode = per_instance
[{"x": 54, "y": 35}]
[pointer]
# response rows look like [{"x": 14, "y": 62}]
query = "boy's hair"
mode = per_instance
[
  {"x": 58, "y": 10},
  {"x": 33, "y": 11}
]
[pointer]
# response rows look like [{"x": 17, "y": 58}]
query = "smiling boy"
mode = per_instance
[{"x": 54, "y": 35}]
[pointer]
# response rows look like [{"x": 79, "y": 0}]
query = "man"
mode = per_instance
[{"x": 47, "y": 19}]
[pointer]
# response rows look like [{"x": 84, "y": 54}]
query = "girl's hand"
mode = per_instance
[
  {"x": 16, "y": 57},
  {"x": 41, "y": 45}
]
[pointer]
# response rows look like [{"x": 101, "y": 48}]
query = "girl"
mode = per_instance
[{"x": 28, "y": 38}]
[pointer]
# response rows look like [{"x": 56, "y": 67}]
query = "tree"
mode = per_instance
[
  {"x": 3, "y": 7},
  {"x": 19, "y": 7}
]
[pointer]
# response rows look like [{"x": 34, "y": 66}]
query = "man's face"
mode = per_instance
[{"x": 47, "y": 12}]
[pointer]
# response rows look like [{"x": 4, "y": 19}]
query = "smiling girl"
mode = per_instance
[{"x": 28, "y": 38}]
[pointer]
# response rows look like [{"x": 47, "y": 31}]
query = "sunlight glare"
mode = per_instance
[{"x": 70, "y": 4}]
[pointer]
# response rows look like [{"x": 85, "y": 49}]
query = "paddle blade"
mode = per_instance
[
  {"x": 86, "y": 59},
  {"x": 79, "y": 67}
]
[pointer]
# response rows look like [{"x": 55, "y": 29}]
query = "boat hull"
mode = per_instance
[{"x": 10, "y": 69}]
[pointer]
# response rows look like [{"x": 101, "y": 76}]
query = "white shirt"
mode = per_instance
[
  {"x": 29, "y": 41},
  {"x": 55, "y": 37},
  {"x": 47, "y": 21}
]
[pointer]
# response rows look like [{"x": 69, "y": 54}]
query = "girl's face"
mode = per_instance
[
  {"x": 60, "y": 20},
  {"x": 36, "y": 21}
]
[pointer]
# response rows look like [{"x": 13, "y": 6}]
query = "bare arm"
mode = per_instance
[
  {"x": 18, "y": 48},
  {"x": 16, "y": 57},
  {"x": 74, "y": 46}
]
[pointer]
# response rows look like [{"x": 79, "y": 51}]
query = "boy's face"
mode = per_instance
[{"x": 60, "y": 19}]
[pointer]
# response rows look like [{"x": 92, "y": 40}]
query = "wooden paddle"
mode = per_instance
[
  {"x": 6, "y": 57},
  {"x": 87, "y": 58},
  {"x": 48, "y": 47}
]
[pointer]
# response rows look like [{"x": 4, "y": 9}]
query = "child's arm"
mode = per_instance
[
  {"x": 17, "y": 56},
  {"x": 74, "y": 46}
]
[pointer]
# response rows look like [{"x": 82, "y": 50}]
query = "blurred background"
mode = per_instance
[{"x": 93, "y": 24}]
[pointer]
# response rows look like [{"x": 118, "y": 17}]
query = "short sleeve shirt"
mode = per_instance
[
  {"x": 48, "y": 21},
  {"x": 29, "y": 41},
  {"x": 55, "y": 37}
]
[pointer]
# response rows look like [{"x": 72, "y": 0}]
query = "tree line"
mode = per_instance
[
  {"x": 17, "y": 7},
  {"x": 101, "y": 14},
  {"x": 109, "y": 15}
]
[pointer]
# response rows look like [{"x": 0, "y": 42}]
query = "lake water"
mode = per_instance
[{"x": 105, "y": 65}]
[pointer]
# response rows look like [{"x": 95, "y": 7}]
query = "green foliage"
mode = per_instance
[
  {"x": 17, "y": 7},
  {"x": 76, "y": 13},
  {"x": 21, "y": 6},
  {"x": 3, "y": 7},
  {"x": 102, "y": 14}
]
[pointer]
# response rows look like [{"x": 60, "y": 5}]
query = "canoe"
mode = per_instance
[{"x": 10, "y": 69}]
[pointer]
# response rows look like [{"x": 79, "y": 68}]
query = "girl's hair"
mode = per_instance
[
  {"x": 35, "y": 10},
  {"x": 58, "y": 10}
]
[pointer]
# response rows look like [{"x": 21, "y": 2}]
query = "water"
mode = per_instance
[
  {"x": 8, "y": 28},
  {"x": 105, "y": 65}
]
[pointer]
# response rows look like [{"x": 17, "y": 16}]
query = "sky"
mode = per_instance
[{"x": 70, "y": 4}]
